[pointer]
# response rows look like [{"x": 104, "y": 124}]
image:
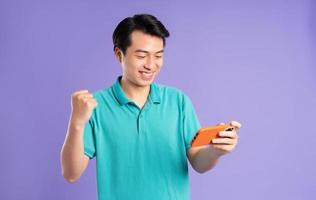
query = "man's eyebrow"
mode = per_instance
[{"x": 143, "y": 51}]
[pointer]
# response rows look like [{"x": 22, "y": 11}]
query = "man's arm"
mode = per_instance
[
  {"x": 204, "y": 158},
  {"x": 73, "y": 160}
]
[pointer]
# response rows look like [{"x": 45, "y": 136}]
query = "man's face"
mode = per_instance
[{"x": 143, "y": 59}]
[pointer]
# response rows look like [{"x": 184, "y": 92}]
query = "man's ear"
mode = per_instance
[{"x": 118, "y": 54}]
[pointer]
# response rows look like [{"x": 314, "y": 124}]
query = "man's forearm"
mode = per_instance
[
  {"x": 72, "y": 157},
  {"x": 205, "y": 159}
]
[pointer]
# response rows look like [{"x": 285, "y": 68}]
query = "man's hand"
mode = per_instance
[
  {"x": 204, "y": 158},
  {"x": 82, "y": 104},
  {"x": 227, "y": 141}
]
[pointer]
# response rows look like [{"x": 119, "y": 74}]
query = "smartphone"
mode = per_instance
[{"x": 205, "y": 135}]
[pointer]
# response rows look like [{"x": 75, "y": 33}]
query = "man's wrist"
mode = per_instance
[
  {"x": 76, "y": 125},
  {"x": 217, "y": 153}
]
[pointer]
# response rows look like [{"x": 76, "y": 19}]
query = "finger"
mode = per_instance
[
  {"x": 92, "y": 103},
  {"x": 230, "y": 134},
  {"x": 90, "y": 100},
  {"x": 235, "y": 124},
  {"x": 84, "y": 96},
  {"x": 220, "y": 147},
  {"x": 224, "y": 141}
]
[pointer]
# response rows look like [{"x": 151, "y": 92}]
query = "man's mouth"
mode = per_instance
[{"x": 146, "y": 75}]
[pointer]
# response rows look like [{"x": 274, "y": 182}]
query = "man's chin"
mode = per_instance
[{"x": 144, "y": 83}]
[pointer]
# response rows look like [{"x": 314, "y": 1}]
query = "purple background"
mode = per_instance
[{"x": 250, "y": 61}]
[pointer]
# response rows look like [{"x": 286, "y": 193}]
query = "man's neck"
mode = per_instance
[{"x": 136, "y": 93}]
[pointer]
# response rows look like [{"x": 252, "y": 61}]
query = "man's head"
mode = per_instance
[{"x": 138, "y": 45}]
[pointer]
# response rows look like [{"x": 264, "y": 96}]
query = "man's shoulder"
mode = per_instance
[
  {"x": 172, "y": 92},
  {"x": 168, "y": 89},
  {"x": 102, "y": 93}
]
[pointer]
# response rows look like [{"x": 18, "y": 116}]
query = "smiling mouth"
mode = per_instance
[{"x": 146, "y": 75}]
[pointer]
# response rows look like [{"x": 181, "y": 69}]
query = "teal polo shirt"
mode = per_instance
[{"x": 141, "y": 153}]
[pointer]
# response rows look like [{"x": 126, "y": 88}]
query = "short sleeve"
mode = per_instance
[
  {"x": 191, "y": 123},
  {"x": 89, "y": 140}
]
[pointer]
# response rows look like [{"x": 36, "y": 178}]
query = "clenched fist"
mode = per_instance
[{"x": 82, "y": 104}]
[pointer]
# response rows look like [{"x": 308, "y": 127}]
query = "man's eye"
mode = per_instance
[
  {"x": 140, "y": 56},
  {"x": 158, "y": 56}
]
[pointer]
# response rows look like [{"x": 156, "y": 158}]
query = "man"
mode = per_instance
[{"x": 140, "y": 132}]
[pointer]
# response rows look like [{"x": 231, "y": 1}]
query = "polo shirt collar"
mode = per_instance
[
  {"x": 123, "y": 99},
  {"x": 154, "y": 93}
]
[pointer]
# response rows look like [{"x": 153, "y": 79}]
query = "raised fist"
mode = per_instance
[{"x": 82, "y": 104}]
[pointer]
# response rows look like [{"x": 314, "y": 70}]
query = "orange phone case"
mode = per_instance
[{"x": 206, "y": 135}]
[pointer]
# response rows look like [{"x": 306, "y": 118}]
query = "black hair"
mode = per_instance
[{"x": 146, "y": 23}]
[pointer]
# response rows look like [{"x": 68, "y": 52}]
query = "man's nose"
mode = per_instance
[{"x": 150, "y": 62}]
